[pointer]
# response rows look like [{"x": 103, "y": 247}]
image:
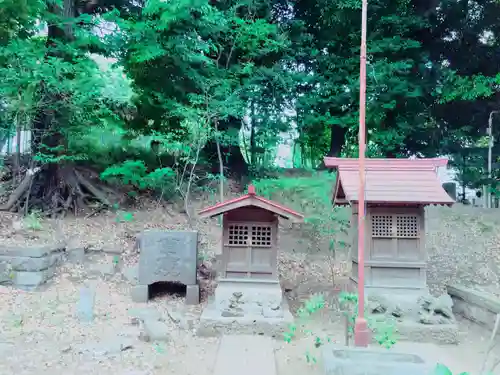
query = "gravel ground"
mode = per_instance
[
  {"x": 40, "y": 334},
  {"x": 463, "y": 244}
]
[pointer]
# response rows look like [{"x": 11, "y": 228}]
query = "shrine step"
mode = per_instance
[{"x": 245, "y": 355}]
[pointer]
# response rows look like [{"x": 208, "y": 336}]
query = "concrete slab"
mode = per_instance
[
  {"x": 245, "y": 355},
  {"x": 372, "y": 361},
  {"x": 453, "y": 356},
  {"x": 213, "y": 324}
]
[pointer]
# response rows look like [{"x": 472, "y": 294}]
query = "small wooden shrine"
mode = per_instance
[
  {"x": 250, "y": 236},
  {"x": 396, "y": 192},
  {"x": 248, "y": 297}
]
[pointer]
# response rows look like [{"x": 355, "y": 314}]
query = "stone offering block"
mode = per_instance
[
  {"x": 372, "y": 361},
  {"x": 168, "y": 256}
]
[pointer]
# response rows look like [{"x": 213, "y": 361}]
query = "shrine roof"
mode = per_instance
[
  {"x": 390, "y": 181},
  {"x": 251, "y": 200}
]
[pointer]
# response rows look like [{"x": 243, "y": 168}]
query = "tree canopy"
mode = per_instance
[{"x": 199, "y": 90}]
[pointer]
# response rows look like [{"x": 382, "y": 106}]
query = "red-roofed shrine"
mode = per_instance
[
  {"x": 248, "y": 291},
  {"x": 396, "y": 192}
]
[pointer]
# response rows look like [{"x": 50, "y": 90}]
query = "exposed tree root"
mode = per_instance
[{"x": 56, "y": 191}]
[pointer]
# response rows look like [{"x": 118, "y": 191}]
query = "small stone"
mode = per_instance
[
  {"x": 376, "y": 307},
  {"x": 274, "y": 306},
  {"x": 443, "y": 305},
  {"x": 232, "y": 313},
  {"x": 397, "y": 312},
  {"x": 154, "y": 331},
  {"x": 430, "y": 319},
  {"x": 135, "y": 321},
  {"x": 175, "y": 316},
  {"x": 66, "y": 349},
  {"x": 110, "y": 347},
  {"x": 425, "y": 302},
  {"x": 145, "y": 314},
  {"x": 237, "y": 295},
  {"x": 270, "y": 313}
]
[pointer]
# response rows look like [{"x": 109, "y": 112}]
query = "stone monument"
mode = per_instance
[
  {"x": 167, "y": 256},
  {"x": 248, "y": 297}
]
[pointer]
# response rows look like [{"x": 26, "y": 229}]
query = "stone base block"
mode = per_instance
[
  {"x": 405, "y": 298},
  {"x": 76, "y": 256},
  {"x": 372, "y": 361},
  {"x": 31, "y": 280},
  {"x": 212, "y": 323},
  {"x": 140, "y": 293},
  {"x": 251, "y": 291},
  {"x": 478, "y": 306},
  {"x": 192, "y": 294},
  {"x": 437, "y": 333}
]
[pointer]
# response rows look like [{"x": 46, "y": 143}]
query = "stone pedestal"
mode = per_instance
[
  {"x": 416, "y": 317},
  {"x": 246, "y": 307}
]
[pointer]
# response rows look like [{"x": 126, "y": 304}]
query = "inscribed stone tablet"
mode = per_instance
[{"x": 168, "y": 256}]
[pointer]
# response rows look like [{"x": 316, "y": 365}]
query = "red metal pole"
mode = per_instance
[{"x": 361, "y": 332}]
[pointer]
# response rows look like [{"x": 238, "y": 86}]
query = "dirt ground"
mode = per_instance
[{"x": 41, "y": 335}]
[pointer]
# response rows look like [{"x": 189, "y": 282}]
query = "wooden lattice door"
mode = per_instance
[
  {"x": 395, "y": 236},
  {"x": 250, "y": 250}
]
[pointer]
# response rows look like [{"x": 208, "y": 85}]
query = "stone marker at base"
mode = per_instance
[
  {"x": 245, "y": 355},
  {"x": 372, "y": 361},
  {"x": 248, "y": 298},
  {"x": 85, "y": 307},
  {"x": 167, "y": 256}
]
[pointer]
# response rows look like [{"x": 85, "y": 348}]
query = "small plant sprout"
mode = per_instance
[
  {"x": 124, "y": 216},
  {"x": 384, "y": 331},
  {"x": 33, "y": 221},
  {"x": 444, "y": 370},
  {"x": 314, "y": 304}
]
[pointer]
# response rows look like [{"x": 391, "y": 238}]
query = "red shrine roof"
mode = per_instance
[
  {"x": 251, "y": 200},
  {"x": 390, "y": 181}
]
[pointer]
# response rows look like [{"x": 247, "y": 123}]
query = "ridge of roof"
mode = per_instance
[
  {"x": 251, "y": 200},
  {"x": 385, "y": 163}
]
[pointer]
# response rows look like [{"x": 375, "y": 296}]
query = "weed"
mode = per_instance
[
  {"x": 384, "y": 331},
  {"x": 311, "y": 306},
  {"x": 33, "y": 220},
  {"x": 124, "y": 217}
]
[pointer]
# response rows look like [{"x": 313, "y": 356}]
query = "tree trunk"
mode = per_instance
[
  {"x": 252, "y": 136},
  {"x": 235, "y": 163},
  {"x": 57, "y": 186},
  {"x": 337, "y": 139}
]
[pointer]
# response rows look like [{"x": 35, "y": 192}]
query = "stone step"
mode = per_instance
[{"x": 245, "y": 355}]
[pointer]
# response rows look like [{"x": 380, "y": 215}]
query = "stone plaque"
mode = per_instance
[{"x": 168, "y": 256}]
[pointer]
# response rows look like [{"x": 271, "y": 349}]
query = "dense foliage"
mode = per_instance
[{"x": 168, "y": 95}]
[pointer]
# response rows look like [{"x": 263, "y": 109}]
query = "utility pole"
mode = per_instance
[
  {"x": 490, "y": 153},
  {"x": 361, "y": 332}
]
